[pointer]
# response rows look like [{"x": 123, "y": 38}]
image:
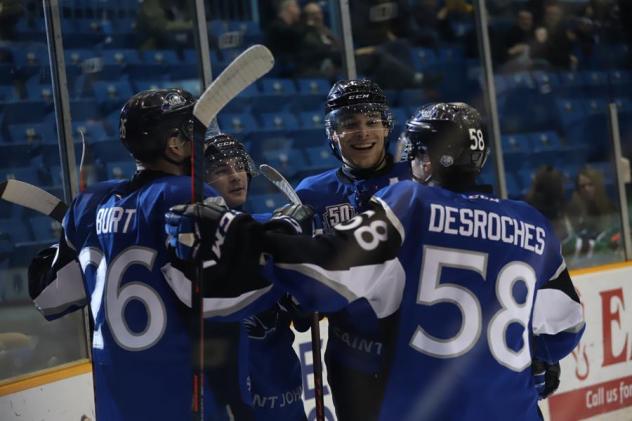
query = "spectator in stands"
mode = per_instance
[
  {"x": 381, "y": 23},
  {"x": 546, "y": 194},
  {"x": 10, "y": 12},
  {"x": 165, "y": 24},
  {"x": 604, "y": 18},
  {"x": 590, "y": 209},
  {"x": 625, "y": 17},
  {"x": 428, "y": 29},
  {"x": 284, "y": 37},
  {"x": 554, "y": 39},
  {"x": 307, "y": 47},
  {"x": 516, "y": 43},
  {"x": 501, "y": 8},
  {"x": 323, "y": 49}
]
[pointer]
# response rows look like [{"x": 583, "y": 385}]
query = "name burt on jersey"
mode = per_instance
[
  {"x": 108, "y": 220},
  {"x": 478, "y": 223}
]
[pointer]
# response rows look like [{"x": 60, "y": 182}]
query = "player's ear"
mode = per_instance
[{"x": 177, "y": 145}]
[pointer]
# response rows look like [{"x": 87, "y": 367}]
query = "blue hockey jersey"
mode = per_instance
[
  {"x": 139, "y": 297},
  {"x": 479, "y": 285},
  {"x": 273, "y": 367},
  {"x": 356, "y": 349}
]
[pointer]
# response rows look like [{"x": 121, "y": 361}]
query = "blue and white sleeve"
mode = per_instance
[{"x": 358, "y": 260}]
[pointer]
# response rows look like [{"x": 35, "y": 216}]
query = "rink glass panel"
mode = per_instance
[
  {"x": 556, "y": 69},
  {"x": 548, "y": 116},
  {"x": 29, "y": 152}
]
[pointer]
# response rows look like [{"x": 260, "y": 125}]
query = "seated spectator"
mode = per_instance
[
  {"x": 284, "y": 37},
  {"x": 590, "y": 209},
  {"x": 165, "y": 24},
  {"x": 429, "y": 30},
  {"x": 323, "y": 49},
  {"x": 554, "y": 39},
  {"x": 546, "y": 194},
  {"x": 10, "y": 12},
  {"x": 517, "y": 42}
]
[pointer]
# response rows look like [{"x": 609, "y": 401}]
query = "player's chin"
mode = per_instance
[
  {"x": 365, "y": 162},
  {"x": 236, "y": 197}
]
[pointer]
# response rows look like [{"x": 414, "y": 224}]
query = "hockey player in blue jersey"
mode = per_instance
[
  {"x": 358, "y": 122},
  {"x": 112, "y": 256},
  {"x": 272, "y": 366},
  {"x": 479, "y": 284}
]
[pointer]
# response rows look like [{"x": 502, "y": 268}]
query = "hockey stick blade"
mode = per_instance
[
  {"x": 33, "y": 197},
  {"x": 249, "y": 66},
  {"x": 280, "y": 183}
]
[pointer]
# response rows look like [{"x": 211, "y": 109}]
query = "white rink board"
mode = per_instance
[
  {"x": 601, "y": 362},
  {"x": 63, "y": 400},
  {"x": 303, "y": 348},
  {"x": 596, "y": 380}
]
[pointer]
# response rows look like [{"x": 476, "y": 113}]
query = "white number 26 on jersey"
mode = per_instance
[{"x": 431, "y": 292}]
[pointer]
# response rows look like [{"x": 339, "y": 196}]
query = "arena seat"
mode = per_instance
[
  {"x": 264, "y": 203},
  {"x": 16, "y": 228},
  {"x": 237, "y": 123},
  {"x": 278, "y": 122},
  {"x": 516, "y": 148},
  {"x": 320, "y": 158}
]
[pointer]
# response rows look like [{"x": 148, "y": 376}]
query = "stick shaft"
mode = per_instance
[{"x": 286, "y": 188}]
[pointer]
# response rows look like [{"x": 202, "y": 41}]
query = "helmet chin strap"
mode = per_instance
[
  {"x": 421, "y": 169},
  {"x": 363, "y": 172}
]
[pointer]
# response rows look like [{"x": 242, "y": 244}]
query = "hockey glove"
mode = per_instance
[
  {"x": 546, "y": 378},
  {"x": 191, "y": 228},
  {"x": 44, "y": 267},
  {"x": 293, "y": 312},
  {"x": 292, "y": 219}
]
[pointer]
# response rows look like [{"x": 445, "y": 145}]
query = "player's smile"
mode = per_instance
[{"x": 363, "y": 146}]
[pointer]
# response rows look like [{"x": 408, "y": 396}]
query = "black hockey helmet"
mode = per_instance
[
  {"x": 349, "y": 97},
  {"x": 150, "y": 117},
  {"x": 450, "y": 135},
  {"x": 223, "y": 149}
]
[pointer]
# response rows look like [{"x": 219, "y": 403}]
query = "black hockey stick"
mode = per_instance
[
  {"x": 286, "y": 188},
  {"x": 240, "y": 73},
  {"x": 32, "y": 197}
]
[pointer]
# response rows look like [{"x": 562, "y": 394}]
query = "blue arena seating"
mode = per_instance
[
  {"x": 44, "y": 229},
  {"x": 119, "y": 57},
  {"x": 32, "y": 133},
  {"x": 120, "y": 169},
  {"x": 243, "y": 101},
  {"x": 112, "y": 94},
  {"x": 93, "y": 131},
  {"x": 8, "y": 93},
  {"x": 312, "y": 94},
  {"x": 17, "y": 229},
  {"x": 237, "y": 123},
  {"x": 27, "y": 174},
  {"x": 516, "y": 149},
  {"x": 278, "y": 122},
  {"x": 110, "y": 150},
  {"x": 320, "y": 158},
  {"x": 288, "y": 163},
  {"x": 265, "y": 203},
  {"x": 275, "y": 94}
]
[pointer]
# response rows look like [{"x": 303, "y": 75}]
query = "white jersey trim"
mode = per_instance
[
  {"x": 212, "y": 307},
  {"x": 559, "y": 270},
  {"x": 66, "y": 290},
  {"x": 381, "y": 284},
  {"x": 555, "y": 312},
  {"x": 393, "y": 219}
]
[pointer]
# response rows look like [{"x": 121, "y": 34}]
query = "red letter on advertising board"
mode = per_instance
[{"x": 609, "y": 317}]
